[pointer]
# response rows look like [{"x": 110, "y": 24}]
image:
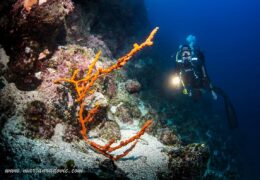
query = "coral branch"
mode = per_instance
[
  {"x": 125, "y": 152},
  {"x": 83, "y": 86},
  {"x": 123, "y": 60},
  {"x": 107, "y": 149},
  {"x": 91, "y": 66},
  {"x": 137, "y": 136}
]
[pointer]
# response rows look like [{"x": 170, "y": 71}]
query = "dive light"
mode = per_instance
[{"x": 176, "y": 81}]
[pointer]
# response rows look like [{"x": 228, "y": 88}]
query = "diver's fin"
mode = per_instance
[
  {"x": 231, "y": 114},
  {"x": 230, "y": 110}
]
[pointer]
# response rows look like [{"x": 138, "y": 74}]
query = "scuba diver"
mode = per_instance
[
  {"x": 190, "y": 65},
  {"x": 192, "y": 75}
]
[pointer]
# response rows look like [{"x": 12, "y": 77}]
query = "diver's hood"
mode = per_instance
[{"x": 185, "y": 48}]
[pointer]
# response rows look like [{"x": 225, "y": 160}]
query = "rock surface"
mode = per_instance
[
  {"x": 39, "y": 119},
  {"x": 133, "y": 86}
]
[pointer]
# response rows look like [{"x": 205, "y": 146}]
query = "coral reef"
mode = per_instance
[
  {"x": 133, "y": 86},
  {"x": 104, "y": 99},
  {"x": 28, "y": 37},
  {"x": 189, "y": 162},
  {"x": 82, "y": 88},
  {"x": 168, "y": 137}
]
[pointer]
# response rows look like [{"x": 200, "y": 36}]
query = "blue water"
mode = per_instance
[{"x": 228, "y": 33}]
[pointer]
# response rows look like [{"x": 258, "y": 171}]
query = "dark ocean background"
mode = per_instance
[{"x": 227, "y": 31}]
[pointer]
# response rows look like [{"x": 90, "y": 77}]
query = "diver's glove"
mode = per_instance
[{"x": 214, "y": 95}]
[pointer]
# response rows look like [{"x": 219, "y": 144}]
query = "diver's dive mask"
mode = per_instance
[{"x": 185, "y": 52}]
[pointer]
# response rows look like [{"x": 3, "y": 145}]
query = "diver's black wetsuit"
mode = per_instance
[{"x": 192, "y": 71}]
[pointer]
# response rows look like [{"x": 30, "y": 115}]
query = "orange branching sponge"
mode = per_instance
[
  {"x": 83, "y": 88},
  {"x": 27, "y": 4}
]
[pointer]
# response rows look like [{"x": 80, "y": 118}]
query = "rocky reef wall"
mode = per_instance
[
  {"x": 48, "y": 40},
  {"x": 28, "y": 37}
]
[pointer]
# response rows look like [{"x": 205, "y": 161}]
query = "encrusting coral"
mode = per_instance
[{"x": 83, "y": 88}]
